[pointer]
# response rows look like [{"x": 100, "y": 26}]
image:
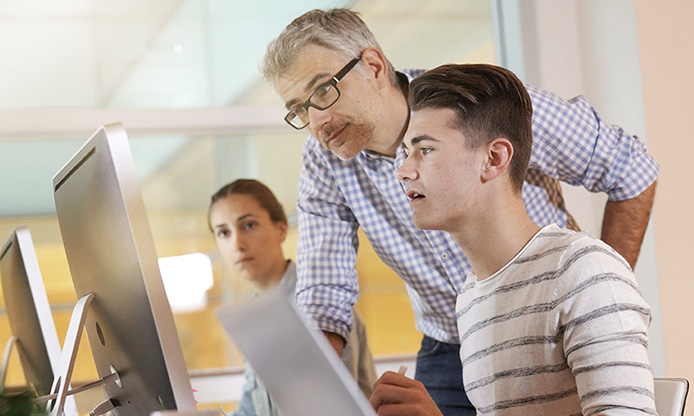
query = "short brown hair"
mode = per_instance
[{"x": 490, "y": 102}]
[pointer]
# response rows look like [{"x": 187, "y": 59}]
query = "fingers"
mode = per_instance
[
  {"x": 395, "y": 379},
  {"x": 396, "y": 394},
  {"x": 388, "y": 389},
  {"x": 392, "y": 388},
  {"x": 399, "y": 409}
]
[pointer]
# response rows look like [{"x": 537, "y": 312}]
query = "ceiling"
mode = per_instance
[{"x": 136, "y": 55}]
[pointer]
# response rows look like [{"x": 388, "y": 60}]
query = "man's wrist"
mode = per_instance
[{"x": 338, "y": 343}]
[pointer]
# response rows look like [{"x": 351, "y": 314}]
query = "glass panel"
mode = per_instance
[{"x": 195, "y": 53}]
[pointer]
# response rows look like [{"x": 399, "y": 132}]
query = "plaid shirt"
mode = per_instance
[{"x": 336, "y": 197}]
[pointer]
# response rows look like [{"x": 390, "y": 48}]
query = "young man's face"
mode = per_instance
[
  {"x": 347, "y": 127},
  {"x": 442, "y": 174}
]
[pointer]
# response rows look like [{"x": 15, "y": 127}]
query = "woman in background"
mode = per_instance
[{"x": 249, "y": 227}]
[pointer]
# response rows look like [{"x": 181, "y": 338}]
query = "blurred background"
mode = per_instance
[{"x": 182, "y": 76}]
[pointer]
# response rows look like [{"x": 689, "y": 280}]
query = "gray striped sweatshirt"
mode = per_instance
[{"x": 561, "y": 329}]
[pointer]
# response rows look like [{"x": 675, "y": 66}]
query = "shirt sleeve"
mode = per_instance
[
  {"x": 327, "y": 285},
  {"x": 246, "y": 402},
  {"x": 573, "y": 144},
  {"x": 603, "y": 324}
]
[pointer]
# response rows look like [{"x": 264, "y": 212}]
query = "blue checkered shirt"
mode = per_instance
[{"x": 570, "y": 143}]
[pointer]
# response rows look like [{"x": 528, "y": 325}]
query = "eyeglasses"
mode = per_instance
[{"x": 322, "y": 98}]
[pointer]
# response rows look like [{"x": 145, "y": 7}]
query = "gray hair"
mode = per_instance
[{"x": 340, "y": 30}]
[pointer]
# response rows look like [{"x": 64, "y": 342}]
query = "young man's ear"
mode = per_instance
[
  {"x": 377, "y": 64},
  {"x": 499, "y": 153}
]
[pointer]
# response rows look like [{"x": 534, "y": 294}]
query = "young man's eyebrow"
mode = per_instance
[
  {"x": 421, "y": 138},
  {"x": 416, "y": 140}
]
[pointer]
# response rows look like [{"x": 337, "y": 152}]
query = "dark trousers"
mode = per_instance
[{"x": 439, "y": 369}]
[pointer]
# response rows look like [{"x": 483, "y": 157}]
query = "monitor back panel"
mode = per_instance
[
  {"x": 293, "y": 359},
  {"x": 111, "y": 253}
]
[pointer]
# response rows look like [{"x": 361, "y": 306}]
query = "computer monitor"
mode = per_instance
[
  {"x": 110, "y": 252},
  {"x": 28, "y": 311},
  {"x": 293, "y": 358}
]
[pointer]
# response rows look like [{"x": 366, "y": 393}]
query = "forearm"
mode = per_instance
[
  {"x": 624, "y": 223},
  {"x": 337, "y": 342}
]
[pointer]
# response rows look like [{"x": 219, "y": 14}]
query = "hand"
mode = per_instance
[{"x": 398, "y": 395}]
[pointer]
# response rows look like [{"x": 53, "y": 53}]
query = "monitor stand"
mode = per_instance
[
  {"x": 6, "y": 361},
  {"x": 12, "y": 343},
  {"x": 61, "y": 382}
]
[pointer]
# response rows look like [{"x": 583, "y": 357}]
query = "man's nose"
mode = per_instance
[
  {"x": 406, "y": 172},
  {"x": 318, "y": 117}
]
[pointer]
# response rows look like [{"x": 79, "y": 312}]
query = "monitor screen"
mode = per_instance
[
  {"x": 28, "y": 311},
  {"x": 110, "y": 252}
]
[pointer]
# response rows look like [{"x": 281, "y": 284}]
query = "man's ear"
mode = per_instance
[
  {"x": 377, "y": 64},
  {"x": 499, "y": 153}
]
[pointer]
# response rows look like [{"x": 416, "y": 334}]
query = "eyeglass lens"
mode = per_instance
[
  {"x": 325, "y": 96},
  {"x": 322, "y": 98}
]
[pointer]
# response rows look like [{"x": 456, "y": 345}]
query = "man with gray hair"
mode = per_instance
[{"x": 348, "y": 181}]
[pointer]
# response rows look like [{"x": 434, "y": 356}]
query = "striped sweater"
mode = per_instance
[{"x": 561, "y": 329}]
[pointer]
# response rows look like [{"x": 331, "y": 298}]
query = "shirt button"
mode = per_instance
[{"x": 444, "y": 255}]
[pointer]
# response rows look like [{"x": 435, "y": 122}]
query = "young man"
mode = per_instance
[
  {"x": 336, "y": 82},
  {"x": 551, "y": 321}
]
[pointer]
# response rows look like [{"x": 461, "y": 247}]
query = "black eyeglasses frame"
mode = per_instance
[{"x": 293, "y": 114}]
